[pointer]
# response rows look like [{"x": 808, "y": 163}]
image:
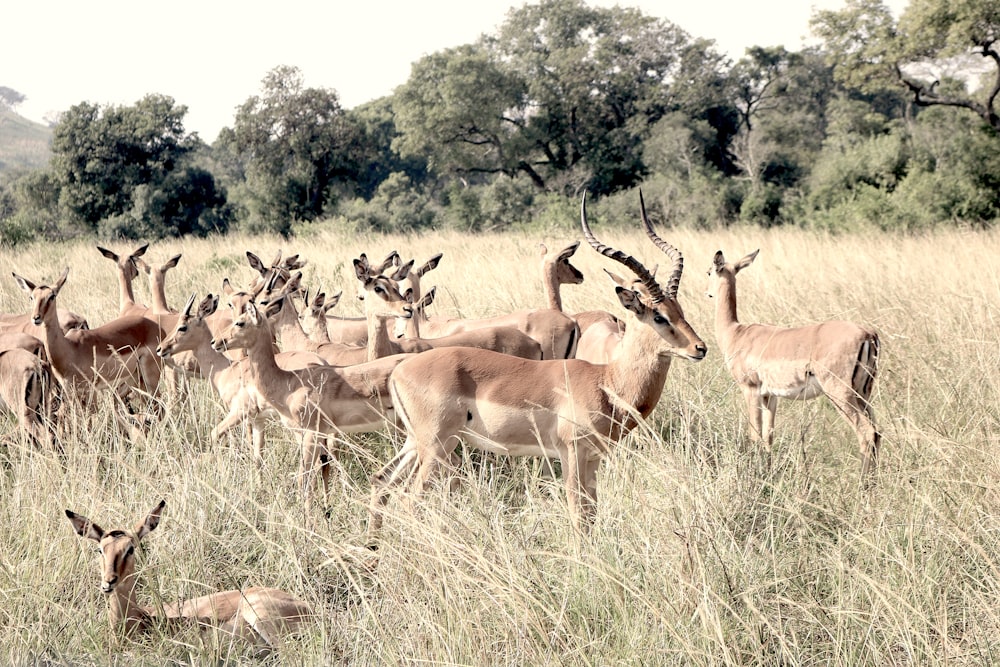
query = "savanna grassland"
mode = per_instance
[{"x": 702, "y": 553}]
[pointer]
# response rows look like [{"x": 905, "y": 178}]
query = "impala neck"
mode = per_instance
[
  {"x": 59, "y": 349},
  {"x": 379, "y": 343},
  {"x": 552, "y": 290},
  {"x": 638, "y": 372},
  {"x": 289, "y": 329},
  {"x": 210, "y": 361},
  {"x": 126, "y": 295},
  {"x": 726, "y": 320},
  {"x": 123, "y": 609},
  {"x": 159, "y": 294},
  {"x": 261, "y": 355}
]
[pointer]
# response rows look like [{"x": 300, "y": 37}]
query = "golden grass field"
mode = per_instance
[{"x": 699, "y": 556}]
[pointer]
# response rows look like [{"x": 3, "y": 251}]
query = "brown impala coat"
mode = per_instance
[{"x": 567, "y": 409}]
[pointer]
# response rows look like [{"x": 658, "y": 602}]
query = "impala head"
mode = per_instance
[
  {"x": 315, "y": 310},
  {"x": 721, "y": 271},
  {"x": 654, "y": 305},
  {"x": 127, "y": 264},
  {"x": 381, "y": 293},
  {"x": 42, "y": 297},
  {"x": 278, "y": 272},
  {"x": 248, "y": 320},
  {"x": 157, "y": 273},
  {"x": 117, "y": 546},
  {"x": 416, "y": 273},
  {"x": 190, "y": 327},
  {"x": 557, "y": 263}
]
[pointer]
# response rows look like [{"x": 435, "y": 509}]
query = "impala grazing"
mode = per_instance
[
  {"x": 263, "y": 617},
  {"x": 567, "y": 409},
  {"x": 837, "y": 359}
]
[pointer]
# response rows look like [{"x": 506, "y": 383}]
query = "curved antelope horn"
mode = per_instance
[
  {"x": 655, "y": 293},
  {"x": 674, "y": 281}
]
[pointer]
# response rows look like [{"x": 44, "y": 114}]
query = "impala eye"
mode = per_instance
[
  {"x": 181, "y": 329},
  {"x": 660, "y": 319}
]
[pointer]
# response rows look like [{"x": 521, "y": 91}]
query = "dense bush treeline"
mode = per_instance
[{"x": 887, "y": 123}]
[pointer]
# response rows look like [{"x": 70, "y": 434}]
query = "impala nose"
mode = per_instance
[{"x": 700, "y": 351}]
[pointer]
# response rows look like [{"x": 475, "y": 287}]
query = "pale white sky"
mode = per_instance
[{"x": 211, "y": 55}]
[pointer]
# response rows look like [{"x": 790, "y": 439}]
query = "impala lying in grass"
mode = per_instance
[
  {"x": 835, "y": 359},
  {"x": 260, "y": 616}
]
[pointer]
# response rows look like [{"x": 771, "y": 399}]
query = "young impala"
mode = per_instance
[
  {"x": 836, "y": 359},
  {"x": 119, "y": 354},
  {"x": 567, "y": 409},
  {"x": 260, "y": 616}
]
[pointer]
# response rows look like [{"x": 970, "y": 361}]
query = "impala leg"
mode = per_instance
[
  {"x": 755, "y": 409},
  {"x": 257, "y": 426},
  {"x": 768, "y": 407},
  {"x": 307, "y": 466},
  {"x": 859, "y": 414},
  {"x": 433, "y": 459},
  {"x": 235, "y": 416},
  {"x": 392, "y": 474},
  {"x": 580, "y": 478}
]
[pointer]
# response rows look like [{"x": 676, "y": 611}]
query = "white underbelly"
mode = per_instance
[
  {"x": 801, "y": 391},
  {"x": 478, "y": 441}
]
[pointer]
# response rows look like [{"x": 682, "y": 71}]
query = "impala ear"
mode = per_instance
[
  {"x": 746, "y": 261},
  {"x": 227, "y": 287},
  {"x": 208, "y": 305},
  {"x": 630, "y": 300},
  {"x": 568, "y": 251},
  {"x": 272, "y": 308},
  {"x": 402, "y": 271},
  {"x": 719, "y": 260},
  {"x": 256, "y": 264},
  {"x": 140, "y": 251},
  {"x": 621, "y": 282},
  {"x": 172, "y": 262},
  {"x": 361, "y": 269},
  {"x": 84, "y": 527},
  {"x": 150, "y": 522},
  {"x": 62, "y": 281},
  {"x": 24, "y": 283},
  {"x": 430, "y": 264},
  {"x": 332, "y": 301},
  {"x": 107, "y": 253}
]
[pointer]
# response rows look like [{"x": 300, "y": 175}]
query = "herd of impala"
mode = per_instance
[{"x": 530, "y": 383}]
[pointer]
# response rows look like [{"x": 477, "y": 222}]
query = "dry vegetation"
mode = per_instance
[{"x": 702, "y": 554}]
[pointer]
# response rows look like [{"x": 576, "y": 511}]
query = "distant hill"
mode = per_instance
[{"x": 24, "y": 144}]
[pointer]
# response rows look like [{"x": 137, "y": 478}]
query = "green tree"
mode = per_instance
[
  {"x": 289, "y": 149},
  {"x": 871, "y": 51},
  {"x": 108, "y": 161},
  {"x": 374, "y": 156},
  {"x": 462, "y": 110},
  {"x": 596, "y": 79},
  {"x": 563, "y": 95}
]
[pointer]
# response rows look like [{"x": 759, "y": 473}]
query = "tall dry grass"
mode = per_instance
[{"x": 700, "y": 554}]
